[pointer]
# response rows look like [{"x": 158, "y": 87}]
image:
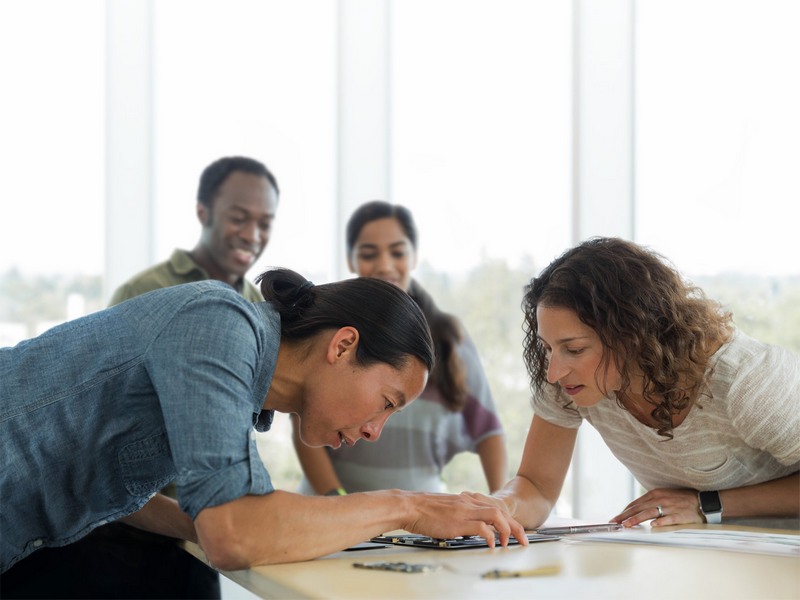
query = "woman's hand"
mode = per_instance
[{"x": 662, "y": 507}]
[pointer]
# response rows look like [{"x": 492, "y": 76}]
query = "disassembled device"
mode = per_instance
[{"x": 469, "y": 541}]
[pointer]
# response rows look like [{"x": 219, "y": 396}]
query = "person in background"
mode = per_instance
[
  {"x": 236, "y": 204},
  {"x": 237, "y": 199},
  {"x": 170, "y": 385},
  {"x": 455, "y": 413},
  {"x": 705, "y": 417}
]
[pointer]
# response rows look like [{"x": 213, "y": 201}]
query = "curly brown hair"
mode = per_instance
[{"x": 649, "y": 318}]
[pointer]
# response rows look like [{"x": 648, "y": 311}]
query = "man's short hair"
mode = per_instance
[{"x": 217, "y": 172}]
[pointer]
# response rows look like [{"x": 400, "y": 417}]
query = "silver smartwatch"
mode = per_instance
[{"x": 710, "y": 506}]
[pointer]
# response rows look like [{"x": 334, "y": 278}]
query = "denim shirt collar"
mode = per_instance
[{"x": 262, "y": 419}]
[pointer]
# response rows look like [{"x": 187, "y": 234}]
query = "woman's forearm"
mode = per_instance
[
  {"x": 494, "y": 460},
  {"x": 776, "y": 498},
  {"x": 532, "y": 494},
  {"x": 524, "y": 502}
]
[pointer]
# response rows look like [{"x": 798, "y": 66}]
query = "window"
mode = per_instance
[
  {"x": 258, "y": 78},
  {"x": 716, "y": 153},
  {"x": 51, "y": 149},
  {"x": 480, "y": 151}
]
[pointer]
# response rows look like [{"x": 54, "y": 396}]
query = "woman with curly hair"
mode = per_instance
[{"x": 705, "y": 417}]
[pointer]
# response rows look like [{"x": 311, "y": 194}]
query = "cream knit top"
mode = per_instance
[{"x": 747, "y": 432}]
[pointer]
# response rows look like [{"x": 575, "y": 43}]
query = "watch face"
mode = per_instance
[{"x": 710, "y": 502}]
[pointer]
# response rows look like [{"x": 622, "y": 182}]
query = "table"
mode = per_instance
[{"x": 585, "y": 570}]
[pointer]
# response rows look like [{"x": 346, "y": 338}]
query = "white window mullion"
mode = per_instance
[
  {"x": 129, "y": 243},
  {"x": 602, "y": 199},
  {"x": 363, "y": 109}
]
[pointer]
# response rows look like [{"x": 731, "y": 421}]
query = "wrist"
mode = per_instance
[
  {"x": 506, "y": 501},
  {"x": 710, "y": 505},
  {"x": 409, "y": 506},
  {"x": 337, "y": 491}
]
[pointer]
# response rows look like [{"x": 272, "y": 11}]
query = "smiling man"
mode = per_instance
[{"x": 236, "y": 203}]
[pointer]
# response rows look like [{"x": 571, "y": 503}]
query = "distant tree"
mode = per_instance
[
  {"x": 487, "y": 299},
  {"x": 32, "y": 300}
]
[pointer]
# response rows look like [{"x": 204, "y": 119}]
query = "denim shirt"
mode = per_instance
[{"x": 98, "y": 414}]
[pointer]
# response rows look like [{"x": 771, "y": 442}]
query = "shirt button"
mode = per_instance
[{"x": 37, "y": 543}]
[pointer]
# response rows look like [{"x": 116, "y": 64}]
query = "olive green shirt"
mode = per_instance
[{"x": 180, "y": 268}]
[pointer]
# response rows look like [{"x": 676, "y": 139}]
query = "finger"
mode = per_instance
[
  {"x": 634, "y": 508},
  {"x": 638, "y": 506},
  {"x": 503, "y": 535},
  {"x": 643, "y": 502},
  {"x": 636, "y": 519},
  {"x": 632, "y": 521},
  {"x": 502, "y": 526},
  {"x": 513, "y": 528},
  {"x": 519, "y": 533},
  {"x": 509, "y": 527},
  {"x": 666, "y": 519},
  {"x": 625, "y": 515},
  {"x": 486, "y": 533},
  {"x": 498, "y": 524}
]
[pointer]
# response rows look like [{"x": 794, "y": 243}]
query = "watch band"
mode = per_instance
[{"x": 710, "y": 506}]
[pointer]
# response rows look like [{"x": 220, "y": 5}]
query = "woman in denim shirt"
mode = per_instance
[{"x": 100, "y": 413}]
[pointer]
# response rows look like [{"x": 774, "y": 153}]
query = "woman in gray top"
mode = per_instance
[
  {"x": 455, "y": 413},
  {"x": 705, "y": 417}
]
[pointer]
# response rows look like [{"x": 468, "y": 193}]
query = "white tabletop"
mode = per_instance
[{"x": 582, "y": 570}]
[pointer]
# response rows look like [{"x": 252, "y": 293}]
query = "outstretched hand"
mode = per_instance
[
  {"x": 662, "y": 507},
  {"x": 468, "y": 513}
]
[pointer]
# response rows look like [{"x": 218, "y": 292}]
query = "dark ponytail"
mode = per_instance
[
  {"x": 449, "y": 374},
  {"x": 390, "y": 325}
]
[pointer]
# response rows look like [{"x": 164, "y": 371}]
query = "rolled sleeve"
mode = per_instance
[
  {"x": 206, "y": 394},
  {"x": 203, "y": 489}
]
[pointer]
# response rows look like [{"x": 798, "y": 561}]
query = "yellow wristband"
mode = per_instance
[{"x": 336, "y": 492}]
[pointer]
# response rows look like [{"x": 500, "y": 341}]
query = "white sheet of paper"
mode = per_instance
[{"x": 735, "y": 541}]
